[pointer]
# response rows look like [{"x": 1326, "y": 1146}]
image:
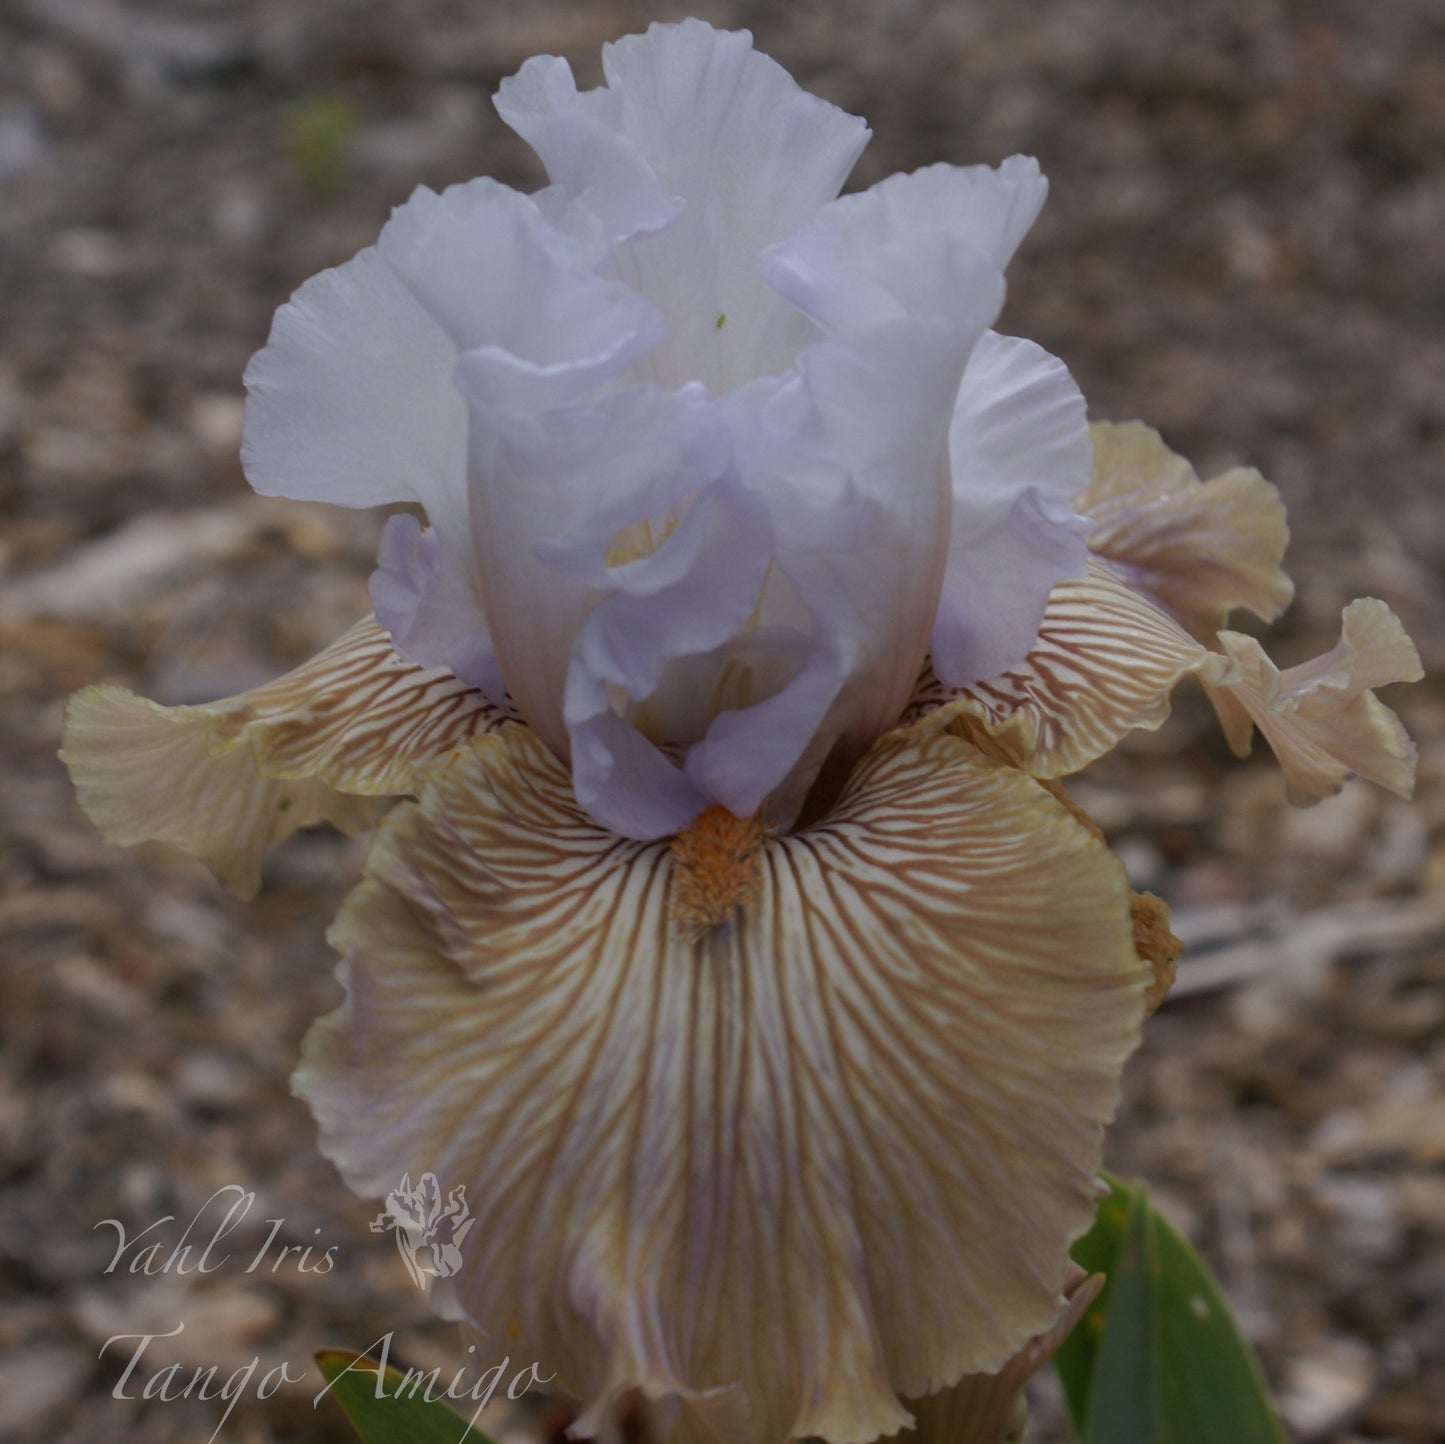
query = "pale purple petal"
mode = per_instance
[
  {"x": 888, "y": 251},
  {"x": 851, "y": 452},
  {"x": 688, "y": 598},
  {"x": 727, "y": 132},
  {"x": 516, "y": 294},
  {"x": 350, "y": 401},
  {"x": 426, "y": 597},
  {"x": 543, "y": 482},
  {"x": 1020, "y": 453},
  {"x": 581, "y": 142}
]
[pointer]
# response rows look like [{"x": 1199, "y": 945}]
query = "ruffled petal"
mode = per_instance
[
  {"x": 588, "y": 155},
  {"x": 516, "y": 295},
  {"x": 144, "y": 773},
  {"x": 989, "y": 1408},
  {"x": 850, "y": 452},
  {"x": 1020, "y": 453},
  {"x": 1105, "y": 663},
  {"x": 887, "y": 252},
  {"x": 350, "y": 401},
  {"x": 1107, "y": 660},
  {"x": 426, "y": 593},
  {"x": 1199, "y": 549},
  {"x": 1321, "y": 718},
  {"x": 829, "y": 1151},
  {"x": 354, "y": 398},
  {"x": 743, "y": 153},
  {"x": 554, "y": 494},
  {"x": 687, "y": 599},
  {"x": 225, "y": 781}
]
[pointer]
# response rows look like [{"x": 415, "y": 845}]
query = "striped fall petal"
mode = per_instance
[
  {"x": 1198, "y": 549},
  {"x": 1321, "y": 718},
  {"x": 1105, "y": 663},
  {"x": 788, "y": 1157},
  {"x": 1170, "y": 558},
  {"x": 989, "y": 1408},
  {"x": 224, "y": 781}
]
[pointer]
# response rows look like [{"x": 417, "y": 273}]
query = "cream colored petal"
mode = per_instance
[
  {"x": 1105, "y": 663},
  {"x": 144, "y": 773},
  {"x": 1321, "y": 718},
  {"x": 828, "y": 1152},
  {"x": 989, "y": 1408},
  {"x": 1107, "y": 659},
  {"x": 1199, "y": 549},
  {"x": 225, "y": 781}
]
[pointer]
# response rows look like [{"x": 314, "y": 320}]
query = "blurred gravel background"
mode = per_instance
[{"x": 1243, "y": 245}]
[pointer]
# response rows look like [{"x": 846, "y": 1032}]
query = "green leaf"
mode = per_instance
[
  {"x": 1159, "y": 1359},
  {"x": 1094, "y": 1253},
  {"x": 386, "y": 1406}
]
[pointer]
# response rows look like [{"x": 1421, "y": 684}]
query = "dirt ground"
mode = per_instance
[{"x": 1242, "y": 246}]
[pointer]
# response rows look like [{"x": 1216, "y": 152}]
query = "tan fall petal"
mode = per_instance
[
  {"x": 1107, "y": 660},
  {"x": 1321, "y": 718},
  {"x": 226, "y": 780},
  {"x": 786, "y": 1168},
  {"x": 143, "y": 773},
  {"x": 1199, "y": 549},
  {"x": 989, "y": 1408},
  {"x": 1105, "y": 663}
]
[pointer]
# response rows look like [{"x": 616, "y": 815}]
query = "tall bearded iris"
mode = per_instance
[
  {"x": 649, "y": 410},
  {"x": 739, "y": 953}
]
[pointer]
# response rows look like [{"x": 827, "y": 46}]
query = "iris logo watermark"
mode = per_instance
[
  {"x": 429, "y": 1232},
  {"x": 430, "y": 1224}
]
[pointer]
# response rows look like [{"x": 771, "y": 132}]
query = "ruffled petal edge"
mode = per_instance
[{"x": 225, "y": 781}]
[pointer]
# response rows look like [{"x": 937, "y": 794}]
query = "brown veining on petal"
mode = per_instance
[
  {"x": 1105, "y": 662},
  {"x": 1108, "y": 658},
  {"x": 144, "y": 773},
  {"x": 226, "y": 780},
  {"x": 358, "y": 715},
  {"x": 1200, "y": 549},
  {"x": 989, "y": 1408},
  {"x": 861, "y": 1122},
  {"x": 714, "y": 869}
]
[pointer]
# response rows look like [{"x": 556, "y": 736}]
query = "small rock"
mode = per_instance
[
  {"x": 95, "y": 255},
  {"x": 1326, "y": 1389},
  {"x": 215, "y": 422},
  {"x": 34, "y": 1381}
]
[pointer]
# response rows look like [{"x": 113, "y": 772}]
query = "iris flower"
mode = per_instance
[{"x": 737, "y": 949}]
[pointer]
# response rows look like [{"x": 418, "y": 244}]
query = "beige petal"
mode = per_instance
[
  {"x": 989, "y": 1408},
  {"x": 1105, "y": 663},
  {"x": 1198, "y": 549},
  {"x": 785, "y": 1168},
  {"x": 1107, "y": 659},
  {"x": 1320, "y": 717},
  {"x": 225, "y": 781}
]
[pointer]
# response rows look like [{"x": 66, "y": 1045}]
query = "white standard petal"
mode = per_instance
[
  {"x": 580, "y": 139},
  {"x": 747, "y": 155},
  {"x": 851, "y": 451},
  {"x": 516, "y": 295},
  {"x": 549, "y": 495},
  {"x": 688, "y": 599},
  {"x": 350, "y": 401},
  {"x": 1020, "y": 452},
  {"x": 425, "y": 594},
  {"x": 874, "y": 256}
]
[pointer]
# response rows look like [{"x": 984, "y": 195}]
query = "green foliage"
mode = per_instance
[
  {"x": 1159, "y": 1358},
  {"x": 319, "y": 137},
  {"x": 387, "y": 1407}
]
